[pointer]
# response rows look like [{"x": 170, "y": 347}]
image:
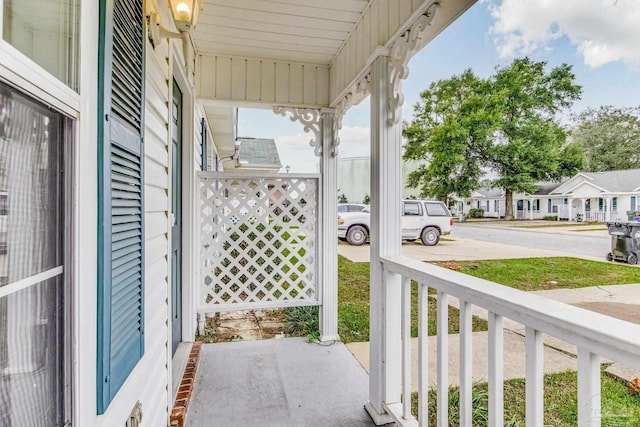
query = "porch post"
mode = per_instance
[
  {"x": 329, "y": 236},
  {"x": 385, "y": 288}
]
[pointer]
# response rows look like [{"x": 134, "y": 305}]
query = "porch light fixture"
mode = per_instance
[
  {"x": 185, "y": 13},
  {"x": 185, "y": 16}
]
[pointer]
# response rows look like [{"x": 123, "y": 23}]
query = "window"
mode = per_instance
[
  {"x": 632, "y": 203},
  {"x": 411, "y": 208},
  {"x": 549, "y": 206},
  {"x": 34, "y": 326},
  {"x": 49, "y": 38},
  {"x": 487, "y": 206},
  {"x": 478, "y": 204},
  {"x": 614, "y": 204},
  {"x": 496, "y": 205},
  {"x": 436, "y": 209}
]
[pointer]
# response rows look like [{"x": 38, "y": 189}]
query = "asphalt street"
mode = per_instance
[{"x": 570, "y": 242}]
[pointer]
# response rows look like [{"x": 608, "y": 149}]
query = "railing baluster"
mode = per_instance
[
  {"x": 466, "y": 359},
  {"x": 534, "y": 348},
  {"x": 589, "y": 409},
  {"x": 423, "y": 356},
  {"x": 443, "y": 359},
  {"x": 496, "y": 370},
  {"x": 406, "y": 348}
]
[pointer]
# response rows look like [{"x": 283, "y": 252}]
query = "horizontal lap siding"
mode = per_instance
[{"x": 156, "y": 410}]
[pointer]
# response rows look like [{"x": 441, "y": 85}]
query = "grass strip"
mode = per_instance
[
  {"x": 620, "y": 405},
  {"x": 536, "y": 274}
]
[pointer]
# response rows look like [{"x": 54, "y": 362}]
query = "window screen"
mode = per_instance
[{"x": 32, "y": 285}]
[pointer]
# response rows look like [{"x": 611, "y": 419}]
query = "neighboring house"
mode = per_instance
[
  {"x": 116, "y": 118},
  {"x": 491, "y": 200},
  {"x": 259, "y": 155},
  {"x": 599, "y": 196},
  {"x": 596, "y": 196}
]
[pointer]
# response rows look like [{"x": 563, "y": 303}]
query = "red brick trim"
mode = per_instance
[{"x": 181, "y": 405}]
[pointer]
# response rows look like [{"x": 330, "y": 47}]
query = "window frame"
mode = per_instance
[{"x": 69, "y": 223}]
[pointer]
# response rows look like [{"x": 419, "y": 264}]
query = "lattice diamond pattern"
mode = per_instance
[{"x": 259, "y": 239}]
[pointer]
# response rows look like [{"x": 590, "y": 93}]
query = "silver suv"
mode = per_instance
[{"x": 426, "y": 220}]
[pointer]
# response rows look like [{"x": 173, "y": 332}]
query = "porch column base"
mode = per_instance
[
  {"x": 378, "y": 418},
  {"x": 329, "y": 338}
]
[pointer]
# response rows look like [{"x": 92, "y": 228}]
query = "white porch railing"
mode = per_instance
[
  {"x": 259, "y": 241},
  {"x": 595, "y": 336}
]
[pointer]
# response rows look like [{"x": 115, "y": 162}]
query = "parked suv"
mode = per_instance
[
  {"x": 426, "y": 220},
  {"x": 350, "y": 207}
]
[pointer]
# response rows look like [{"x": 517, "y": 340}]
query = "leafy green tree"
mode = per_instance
[
  {"x": 506, "y": 123},
  {"x": 450, "y": 131},
  {"x": 610, "y": 137},
  {"x": 529, "y": 142},
  {"x": 366, "y": 199}
]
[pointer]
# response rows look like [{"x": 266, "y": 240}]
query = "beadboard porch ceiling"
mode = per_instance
[{"x": 309, "y": 31}]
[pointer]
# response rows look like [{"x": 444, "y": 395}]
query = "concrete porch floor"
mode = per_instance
[{"x": 279, "y": 382}]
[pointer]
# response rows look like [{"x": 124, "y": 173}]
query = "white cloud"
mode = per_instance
[{"x": 603, "y": 31}]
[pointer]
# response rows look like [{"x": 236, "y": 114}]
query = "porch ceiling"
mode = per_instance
[{"x": 307, "y": 31}]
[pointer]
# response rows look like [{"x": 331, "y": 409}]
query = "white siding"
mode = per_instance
[{"x": 226, "y": 78}]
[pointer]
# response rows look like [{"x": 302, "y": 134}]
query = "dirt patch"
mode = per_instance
[{"x": 246, "y": 325}]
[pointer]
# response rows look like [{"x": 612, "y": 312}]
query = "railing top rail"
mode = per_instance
[
  {"x": 259, "y": 175},
  {"x": 603, "y": 335}
]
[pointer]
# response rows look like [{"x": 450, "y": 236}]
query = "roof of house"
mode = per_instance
[
  {"x": 618, "y": 181},
  {"x": 545, "y": 188},
  {"x": 490, "y": 193},
  {"x": 258, "y": 153}
]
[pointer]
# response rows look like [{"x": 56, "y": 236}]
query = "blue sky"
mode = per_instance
[{"x": 599, "y": 38}]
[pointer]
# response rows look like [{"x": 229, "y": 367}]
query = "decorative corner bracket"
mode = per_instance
[
  {"x": 399, "y": 56},
  {"x": 310, "y": 119},
  {"x": 361, "y": 88}
]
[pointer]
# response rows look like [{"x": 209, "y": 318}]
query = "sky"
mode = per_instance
[{"x": 599, "y": 38}]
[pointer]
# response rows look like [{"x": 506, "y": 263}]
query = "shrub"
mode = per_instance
[
  {"x": 550, "y": 218},
  {"x": 476, "y": 213},
  {"x": 302, "y": 321}
]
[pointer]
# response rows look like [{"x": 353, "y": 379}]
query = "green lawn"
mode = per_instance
[
  {"x": 353, "y": 305},
  {"x": 620, "y": 407},
  {"x": 535, "y": 274}
]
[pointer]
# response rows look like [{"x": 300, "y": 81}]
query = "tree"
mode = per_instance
[
  {"x": 506, "y": 123},
  {"x": 610, "y": 137},
  {"x": 529, "y": 142},
  {"x": 450, "y": 131}
]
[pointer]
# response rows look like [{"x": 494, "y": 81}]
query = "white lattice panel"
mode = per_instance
[{"x": 259, "y": 240}]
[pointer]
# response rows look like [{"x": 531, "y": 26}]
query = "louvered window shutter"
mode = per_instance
[{"x": 121, "y": 183}]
